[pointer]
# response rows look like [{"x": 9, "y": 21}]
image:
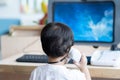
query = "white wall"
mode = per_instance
[{"x": 10, "y": 9}]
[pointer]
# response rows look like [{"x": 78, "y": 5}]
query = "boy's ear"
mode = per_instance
[{"x": 68, "y": 49}]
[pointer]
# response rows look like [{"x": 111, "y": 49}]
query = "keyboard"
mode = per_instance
[
  {"x": 38, "y": 59},
  {"x": 35, "y": 59}
]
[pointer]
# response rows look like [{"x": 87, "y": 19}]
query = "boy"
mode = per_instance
[{"x": 57, "y": 40}]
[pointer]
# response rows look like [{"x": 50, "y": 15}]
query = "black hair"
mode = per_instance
[{"x": 56, "y": 39}]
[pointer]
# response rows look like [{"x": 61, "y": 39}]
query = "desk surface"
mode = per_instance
[{"x": 11, "y": 66}]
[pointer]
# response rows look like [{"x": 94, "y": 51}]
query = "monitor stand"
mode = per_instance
[
  {"x": 95, "y": 46},
  {"x": 114, "y": 47}
]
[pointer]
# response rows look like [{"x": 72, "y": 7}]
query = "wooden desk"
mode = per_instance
[{"x": 17, "y": 69}]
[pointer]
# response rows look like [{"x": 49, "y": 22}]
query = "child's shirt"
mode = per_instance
[{"x": 56, "y": 72}]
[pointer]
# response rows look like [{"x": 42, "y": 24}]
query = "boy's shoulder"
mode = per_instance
[{"x": 40, "y": 67}]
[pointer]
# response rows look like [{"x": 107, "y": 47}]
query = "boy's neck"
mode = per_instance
[{"x": 57, "y": 60}]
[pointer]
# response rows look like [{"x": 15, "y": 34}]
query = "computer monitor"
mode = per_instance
[{"x": 93, "y": 22}]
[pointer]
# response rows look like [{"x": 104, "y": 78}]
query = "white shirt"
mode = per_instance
[{"x": 56, "y": 72}]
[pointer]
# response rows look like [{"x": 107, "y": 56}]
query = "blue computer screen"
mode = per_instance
[{"x": 89, "y": 21}]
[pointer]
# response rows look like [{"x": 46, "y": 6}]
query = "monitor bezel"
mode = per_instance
[
  {"x": 90, "y": 2},
  {"x": 116, "y": 24}
]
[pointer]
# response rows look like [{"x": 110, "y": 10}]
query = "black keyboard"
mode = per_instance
[
  {"x": 39, "y": 59},
  {"x": 35, "y": 59}
]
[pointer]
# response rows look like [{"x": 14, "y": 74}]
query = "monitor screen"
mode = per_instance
[{"x": 89, "y": 21}]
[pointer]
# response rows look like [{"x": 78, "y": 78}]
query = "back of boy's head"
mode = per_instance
[{"x": 56, "y": 39}]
